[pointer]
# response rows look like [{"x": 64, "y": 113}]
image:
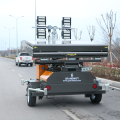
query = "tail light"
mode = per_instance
[
  {"x": 20, "y": 58},
  {"x": 48, "y": 87},
  {"x": 94, "y": 86},
  {"x": 32, "y": 58}
]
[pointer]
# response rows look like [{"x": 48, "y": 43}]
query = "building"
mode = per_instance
[{"x": 23, "y": 44}]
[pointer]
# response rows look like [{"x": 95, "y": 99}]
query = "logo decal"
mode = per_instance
[
  {"x": 72, "y": 79},
  {"x": 71, "y": 75}
]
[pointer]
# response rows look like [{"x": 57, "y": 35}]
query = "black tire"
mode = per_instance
[
  {"x": 96, "y": 98},
  {"x": 27, "y": 65},
  {"x": 16, "y": 63},
  {"x": 19, "y": 64},
  {"x": 31, "y": 64},
  {"x": 31, "y": 101}
]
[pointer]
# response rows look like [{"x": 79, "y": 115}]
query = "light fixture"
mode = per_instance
[
  {"x": 66, "y": 28},
  {"x": 41, "y": 27}
]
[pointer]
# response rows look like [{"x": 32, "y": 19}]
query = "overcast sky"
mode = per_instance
[{"x": 83, "y": 13}]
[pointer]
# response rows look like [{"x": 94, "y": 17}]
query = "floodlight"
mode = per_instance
[
  {"x": 41, "y": 20},
  {"x": 66, "y": 34},
  {"x": 66, "y": 28},
  {"x": 66, "y": 22},
  {"x": 41, "y": 33}
]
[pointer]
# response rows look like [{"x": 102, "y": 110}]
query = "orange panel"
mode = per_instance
[
  {"x": 40, "y": 71},
  {"x": 46, "y": 75}
]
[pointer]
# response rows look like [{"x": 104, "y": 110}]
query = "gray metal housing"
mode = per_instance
[{"x": 63, "y": 51}]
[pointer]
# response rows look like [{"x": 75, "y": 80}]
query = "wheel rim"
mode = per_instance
[
  {"x": 28, "y": 96},
  {"x": 93, "y": 96}
]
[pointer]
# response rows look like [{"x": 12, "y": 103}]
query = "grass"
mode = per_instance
[
  {"x": 106, "y": 72},
  {"x": 11, "y": 57}
]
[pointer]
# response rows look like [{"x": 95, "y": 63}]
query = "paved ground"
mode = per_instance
[{"x": 13, "y": 103}]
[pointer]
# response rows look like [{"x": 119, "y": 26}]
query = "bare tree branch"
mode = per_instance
[
  {"x": 99, "y": 23},
  {"x": 110, "y": 26},
  {"x": 80, "y": 34},
  {"x": 105, "y": 22},
  {"x": 75, "y": 34},
  {"x": 93, "y": 32}
]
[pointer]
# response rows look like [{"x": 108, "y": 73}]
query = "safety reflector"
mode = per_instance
[
  {"x": 48, "y": 87},
  {"x": 94, "y": 86}
]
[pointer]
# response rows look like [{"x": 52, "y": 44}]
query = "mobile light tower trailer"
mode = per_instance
[{"x": 59, "y": 69}]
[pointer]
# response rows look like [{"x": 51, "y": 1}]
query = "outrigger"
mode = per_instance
[{"x": 59, "y": 69}]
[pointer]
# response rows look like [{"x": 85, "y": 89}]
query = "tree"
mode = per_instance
[
  {"x": 107, "y": 29},
  {"x": 75, "y": 34},
  {"x": 93, "y": 32}
]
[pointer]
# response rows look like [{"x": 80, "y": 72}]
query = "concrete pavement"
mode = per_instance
[
  {"x": 111, "y": 82},
  {"x": 13, "y": 103}
]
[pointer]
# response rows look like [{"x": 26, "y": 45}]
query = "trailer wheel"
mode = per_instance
[
  {"x": 96, "y": 98},
  {"x": 31, "y": 101}
]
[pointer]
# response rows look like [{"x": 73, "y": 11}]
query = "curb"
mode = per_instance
[{"x": 111, "y": 82}]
